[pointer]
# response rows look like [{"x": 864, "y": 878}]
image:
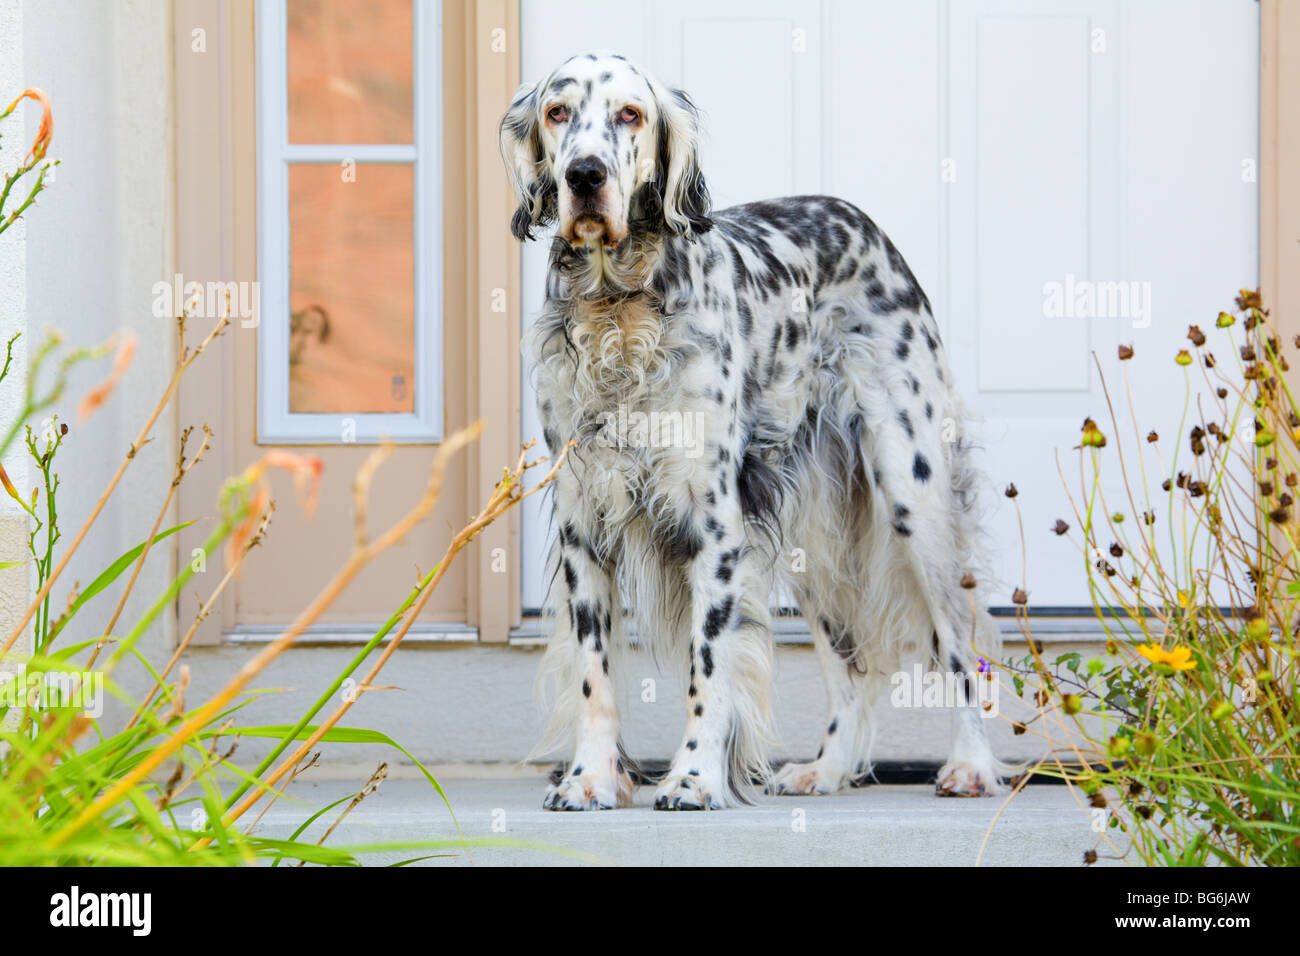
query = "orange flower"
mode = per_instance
[
  {"x": 306, "y": 473},
  {"x": 46, "y": 132},
  {"x": 99, "y": 394},
  {"x": 1178, "y": 659}
]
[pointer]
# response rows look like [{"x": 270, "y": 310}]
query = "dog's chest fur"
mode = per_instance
[{"x": 625, "y": 381}]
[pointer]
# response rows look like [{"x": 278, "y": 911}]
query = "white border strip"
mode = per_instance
[{"x": 276, "y": 424}]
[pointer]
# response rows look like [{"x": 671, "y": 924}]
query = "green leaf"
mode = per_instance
[
  {"x": 111, "y": 574},
  {"x": 342, "y": 735}
]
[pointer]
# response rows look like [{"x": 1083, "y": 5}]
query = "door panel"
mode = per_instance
[{"x": 1005, "y": 146}]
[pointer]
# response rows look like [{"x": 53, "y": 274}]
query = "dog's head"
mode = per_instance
[{"x": 605, "y": 149}]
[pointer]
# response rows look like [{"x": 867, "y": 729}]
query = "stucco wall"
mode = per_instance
[
  {"x": 96, "y": 242},
  {"x": 13, "y": 306}
]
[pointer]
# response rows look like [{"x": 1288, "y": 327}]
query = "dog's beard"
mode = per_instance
[{"x": 589, "y": 229}]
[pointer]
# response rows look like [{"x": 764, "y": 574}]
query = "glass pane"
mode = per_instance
[
  {"x": 351, "y": 288},
  {"x": 350, "y": 71}
]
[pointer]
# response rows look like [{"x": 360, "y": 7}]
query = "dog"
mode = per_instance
[{"x": 792, "y": 342}]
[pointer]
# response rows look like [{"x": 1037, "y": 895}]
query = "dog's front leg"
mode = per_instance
[
  {"x": 727, "y": 699},
  {"x": 596, "y": 777}
]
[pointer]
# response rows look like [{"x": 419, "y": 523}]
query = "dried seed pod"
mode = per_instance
[
  {"x": 1011, "y": 491},
  {"x": 1196, "y": 335},
  {"x": 1060, "y": 527},
  {"x": 1115, "y": 550},
  {"x": 1152, "y": 436},
  {"x": 968, "y": 581},
  {"x": 1125, "y": 352},
  {"x": 1092, "y": 435},
  {"x": 1019, "y": 597}
]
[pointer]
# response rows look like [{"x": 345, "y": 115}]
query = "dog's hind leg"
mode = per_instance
[
  {"x": 846, "y": 742},
  {"x": 929, "y": 522}
]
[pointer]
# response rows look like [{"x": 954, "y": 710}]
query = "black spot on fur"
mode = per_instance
[
  {"x": 905, "y": 420},
  {"x": 920, "y": 468},
  {"x": 584, "y": 621},
  {"x": 717, "y": 617},
  {"x": 681, "y": 543},
  {"x": 759, "y": 484}
]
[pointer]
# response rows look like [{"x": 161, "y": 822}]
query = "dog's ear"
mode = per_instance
[
  {"x": 521, "y": 148},
  {"x": 683, "y": 195}
]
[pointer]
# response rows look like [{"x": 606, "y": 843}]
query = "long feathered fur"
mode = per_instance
[{"x": 819, "y": 441}]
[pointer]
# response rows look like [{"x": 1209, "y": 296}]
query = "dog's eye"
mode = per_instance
[
  {"x": 558, "y": 114},
  {"x": 629, "y": 115}
]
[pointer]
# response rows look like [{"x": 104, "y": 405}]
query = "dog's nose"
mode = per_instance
[{"x": 585, "y": 176}]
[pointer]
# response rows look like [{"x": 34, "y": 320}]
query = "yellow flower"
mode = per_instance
[
  {"x": 1183, "y": 599},
  {"x": 1178, "y": 659}
]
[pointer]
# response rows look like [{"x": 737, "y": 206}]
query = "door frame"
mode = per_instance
[{"x": 481, "y": 67}]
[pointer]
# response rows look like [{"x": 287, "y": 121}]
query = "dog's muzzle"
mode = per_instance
[{"x": 588, "y": 219}]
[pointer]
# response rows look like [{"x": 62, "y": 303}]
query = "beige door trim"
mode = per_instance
[
  {"x": 1279, "y": 164},
  {"x": 492, "y": 52},
  {"x": 216, "y": 237}
]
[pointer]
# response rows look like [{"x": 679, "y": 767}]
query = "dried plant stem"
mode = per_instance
[
  {"x": 506, "y": 494},
  {"x": 182, "y": 469},
  {"x": 201, "y": 717},
  {"x": 182, "y": 365},
  {"x": 205, "y": 609}
]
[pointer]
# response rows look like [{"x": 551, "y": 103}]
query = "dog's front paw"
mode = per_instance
[
  {"x": 967, "y": 780},
  {"x": 687, "y": 791},
  {"x": 590, "y": 790},
  {"x": 806, "y": 779}
]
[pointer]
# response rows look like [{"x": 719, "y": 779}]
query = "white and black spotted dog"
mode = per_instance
[{"x": 796, "y": 393}]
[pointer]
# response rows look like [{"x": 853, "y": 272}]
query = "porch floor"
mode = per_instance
[{"x": 898, "y": 825}]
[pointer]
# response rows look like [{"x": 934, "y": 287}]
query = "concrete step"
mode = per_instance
[{"x": 884, "y": 825}]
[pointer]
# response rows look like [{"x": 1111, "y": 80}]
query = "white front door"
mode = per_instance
[{"x": 1015, "y": 151}]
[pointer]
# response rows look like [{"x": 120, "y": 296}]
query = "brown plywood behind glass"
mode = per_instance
[
  {"x": 350, "y": 71},
  {"x": 352, "y": 288}
]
